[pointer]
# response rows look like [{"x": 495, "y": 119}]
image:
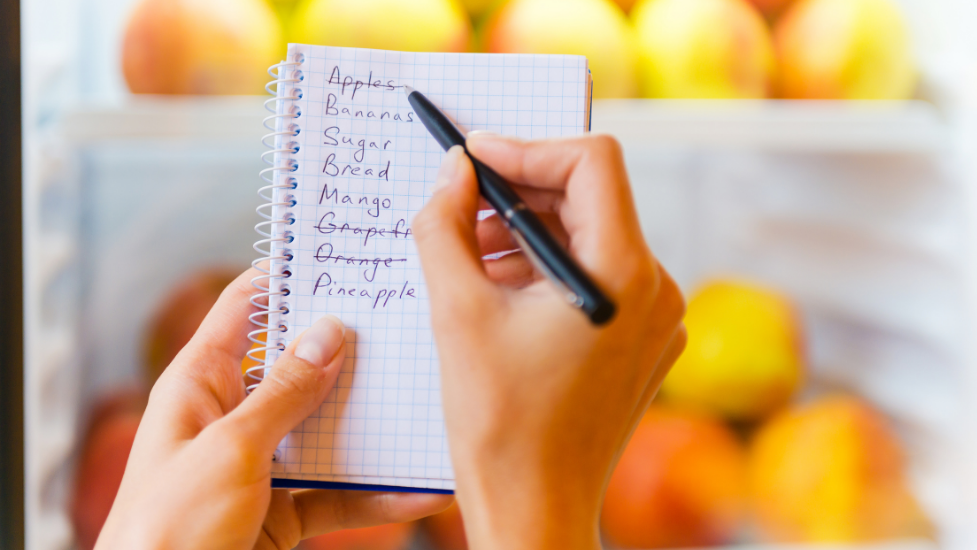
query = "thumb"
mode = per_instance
[
  {"x": 444, "y": 231},
  {"x": 294, "y": 386}
]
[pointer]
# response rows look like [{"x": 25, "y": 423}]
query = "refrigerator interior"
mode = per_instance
[
  {"x": 869, "y": 235},
  {"x": 864, "y": 214}
]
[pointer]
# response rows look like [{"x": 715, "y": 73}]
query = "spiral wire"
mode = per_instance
[{"x": 272, "y": 246}]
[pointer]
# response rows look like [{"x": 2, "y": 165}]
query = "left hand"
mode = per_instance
[{"x": 199, "y": 473}]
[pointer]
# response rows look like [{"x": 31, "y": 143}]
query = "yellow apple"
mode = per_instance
[
  {"x": 200, "y": 47},
  {"x": 479, "y": 8},
  {"x": 284, "y": 10},
  {"x": 626, "y": 5},
  {"x": 703, "y": 49},
  {"x": 744, "y": 357},
  {"x": 844, "y": 49},
  {"x": 414, "y": 25},
  {"x": 832, "y": 471},
  {"x": 597, "y": 29},
  {"x": 282, "y": 5}
]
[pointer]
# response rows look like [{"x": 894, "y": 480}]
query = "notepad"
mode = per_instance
[{"x": 350, "y": 167}]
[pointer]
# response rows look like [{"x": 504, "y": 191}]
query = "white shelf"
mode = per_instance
[
  {"x": 170, "y": 117},
  {"x": 808, "y": 126}
]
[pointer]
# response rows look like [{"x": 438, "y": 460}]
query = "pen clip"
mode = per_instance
[{"x": 571, "y": 297}]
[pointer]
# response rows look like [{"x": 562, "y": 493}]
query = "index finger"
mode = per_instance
[
  {"x": 597, "y": 210},
  {"x": 204, "y": 382},
  {"x": 544, "y": 164}
]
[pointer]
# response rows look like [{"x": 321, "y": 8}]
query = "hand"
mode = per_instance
[
  {"x": 539, "y": 403},
  {"x": 199, "y": 473}
]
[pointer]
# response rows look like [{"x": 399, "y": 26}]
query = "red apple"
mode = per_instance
[
  {"x": 180, "y": 314},
  {"x": 200, "y": 46},
  {"x": 771, "y": 8},
  {"x": 393, "y": 536},
  {"x": 447, "y": 530},
  {"x": 102, "y": 462},
  {"x": 682, "y": 481}
]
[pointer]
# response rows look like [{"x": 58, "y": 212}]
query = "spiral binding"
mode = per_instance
[{"x": 272, "y": 231}]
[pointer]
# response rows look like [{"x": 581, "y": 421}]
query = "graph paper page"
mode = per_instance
[{"x": 365, "y": 166}]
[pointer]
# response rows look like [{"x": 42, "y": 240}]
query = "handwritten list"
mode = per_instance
[{"x": 364, "y": 166}]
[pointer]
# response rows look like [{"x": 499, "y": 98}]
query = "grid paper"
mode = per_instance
[{"x": 353, "y": 255}]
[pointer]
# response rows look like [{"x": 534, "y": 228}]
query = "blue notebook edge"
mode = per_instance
[
  {"x": 590, "y": 109},
  {"x": 277, "y": 483}
]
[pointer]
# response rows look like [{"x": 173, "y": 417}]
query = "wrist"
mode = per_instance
[{"x": 511, "y": 513}]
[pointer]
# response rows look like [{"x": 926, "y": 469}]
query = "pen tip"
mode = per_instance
[{"x": 408, "y": 90}]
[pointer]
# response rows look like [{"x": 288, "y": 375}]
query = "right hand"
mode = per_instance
[{"x": 539, "y": 403}]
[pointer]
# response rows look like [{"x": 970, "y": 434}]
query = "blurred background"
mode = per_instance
[{"x": 806, "y": 169}]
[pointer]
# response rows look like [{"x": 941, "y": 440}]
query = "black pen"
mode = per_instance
[{"x": 535, "y": 240}]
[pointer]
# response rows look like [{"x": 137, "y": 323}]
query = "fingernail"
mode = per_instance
[
  {"x": 449, "y": 168},
  {"x": 319, "y": 344},
  {"x": 486, "y": 133}
]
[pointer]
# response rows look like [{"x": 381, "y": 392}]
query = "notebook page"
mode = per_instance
[{"x": 365, "y": 166}]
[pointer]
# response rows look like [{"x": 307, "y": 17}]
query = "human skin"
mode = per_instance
[
  {"x": 199, "y": 473},
  {"x": 539, "y": 403}
]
